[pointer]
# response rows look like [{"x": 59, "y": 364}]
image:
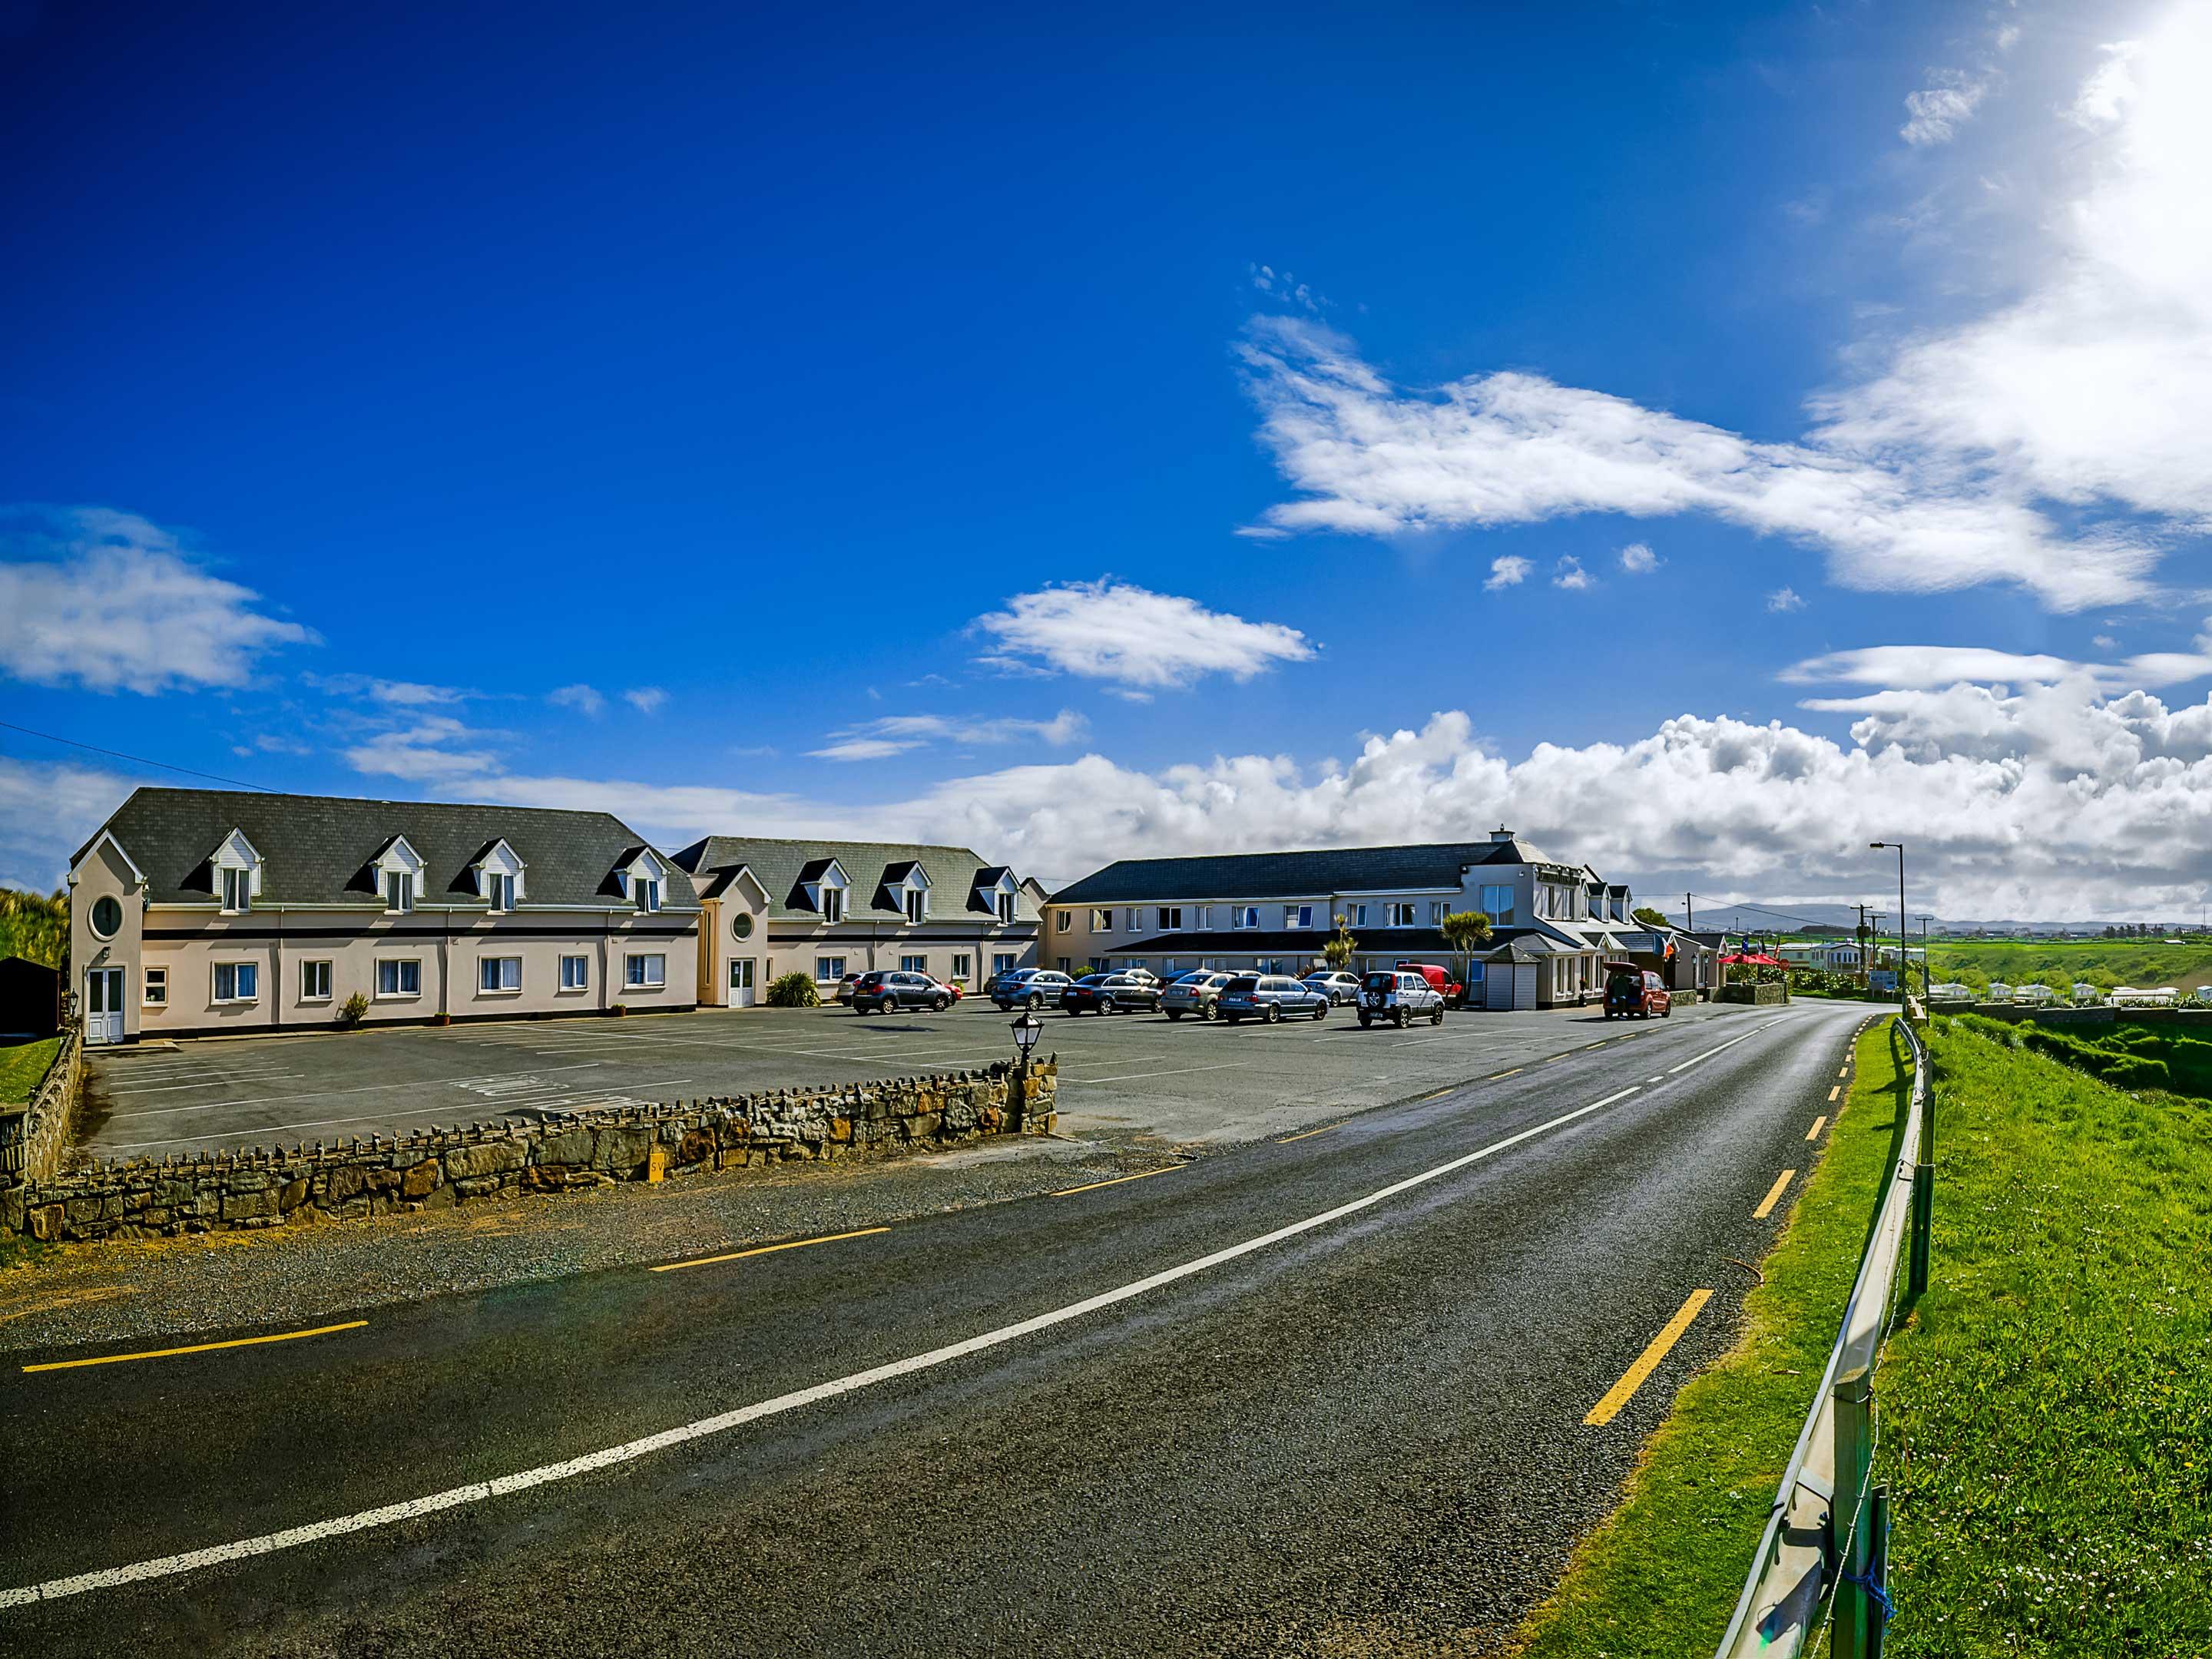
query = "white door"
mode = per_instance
[
  {"x": 103, "y": 1005},
  {"x": 741, "y": 982}
]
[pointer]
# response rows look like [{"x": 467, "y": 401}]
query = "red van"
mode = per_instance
[
  {"x": 1633, "y": 993},
  {"x": 1445, "y": 985}
]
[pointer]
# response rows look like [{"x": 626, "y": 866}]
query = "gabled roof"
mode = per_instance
[
  {"x": 1294, "y": 875},
  {"x": 875, "y": 870},
  {"x": 317, "y": 849}
]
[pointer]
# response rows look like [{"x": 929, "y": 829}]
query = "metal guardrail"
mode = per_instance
[{"x": 1824, "y": 1549}]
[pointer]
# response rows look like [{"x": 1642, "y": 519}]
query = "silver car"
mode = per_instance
[
  {"x": 1270, "y": 997},
  {"x": 1030, "y": 987},
  {"x": 1193, "y": 993},
  {"x": 1341, "y": 989}
]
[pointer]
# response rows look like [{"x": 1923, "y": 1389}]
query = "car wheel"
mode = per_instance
[
  {"x": 1366, "y": 1021},
  {"x": 1437, "y": 1015},
  {"x": 1321, "y": 1012},
  {"x": 1274, "y": 1013},
  {"x": 1398, "y": 1020},
  {"x": 1036, "y": 1001},
  {"x": 1206, "y": 1010},
  {"x": 939, "y": 1004},
  {"x": 1175, "y": 1013}
]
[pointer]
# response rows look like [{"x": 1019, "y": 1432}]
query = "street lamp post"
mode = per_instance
[
  {"x": 1899, "y": 846},
  {"x": 1026, "y": 1029}
]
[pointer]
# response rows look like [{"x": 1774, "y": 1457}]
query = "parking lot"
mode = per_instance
[{"x": 1121, "y": 1075}]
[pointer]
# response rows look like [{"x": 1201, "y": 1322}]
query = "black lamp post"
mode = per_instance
[
  {"x": 1026, "y": 1031},
  {"x": 1899, "y": 846}
]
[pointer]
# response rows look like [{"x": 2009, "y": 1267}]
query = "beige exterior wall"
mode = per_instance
[
  {"x": 938, "y": 944},
  {"x": 741, "y": 905}
]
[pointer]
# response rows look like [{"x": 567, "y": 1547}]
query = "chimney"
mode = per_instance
[{"x": 1501, "y": 834}]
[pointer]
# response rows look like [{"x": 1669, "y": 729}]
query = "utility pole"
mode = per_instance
[
  {"x": 1689, "y": 915},
  {"x": 1926, "y": 983}
]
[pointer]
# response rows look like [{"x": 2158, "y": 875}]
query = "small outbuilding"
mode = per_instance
[{"x": 30, "y": 998}]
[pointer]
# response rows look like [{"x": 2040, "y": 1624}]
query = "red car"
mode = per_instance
[
  {"x": 1445, "y": 986},
  {"x": 1633, "y": 993}
]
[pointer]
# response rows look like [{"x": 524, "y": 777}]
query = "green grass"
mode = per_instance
[
  {"x": 2126, "y": 1053},
  {"x": 2103, "y": 962},
  {"x": 2047, "y": 1411},
  {"x": 21, "y": 1066},
  {"x": 1661, "y": 1577}
]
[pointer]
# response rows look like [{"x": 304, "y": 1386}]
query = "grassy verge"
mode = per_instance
[
  {"x": 1661, "y": 1577},
  {"x": 21, "y": 1066},
  {"x": 2047, "y": 1426}
]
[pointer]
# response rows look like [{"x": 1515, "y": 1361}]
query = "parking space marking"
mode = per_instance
[
  {"x": 1132, "y": 1077},
  {"x": 765, "y": 1249},
  {"x": 224, "y": 1082},
  {"x": 1142, "y": 1175},
  {"x": 1647, "y": 1362},
  {"x": 1814, "y": 1133},
  {"x": 251, "y": 1132},
  {"x": 196, "y": 1347},
  {"x": 1773, "y": 1196}
]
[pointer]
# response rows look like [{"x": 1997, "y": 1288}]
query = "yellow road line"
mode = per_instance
[
  {"x": 1773, "y": 1196},
  {"x": 766, "y": 1249},
  {"x": 1844, "y": 1070},
  {"x": 1069, "y": 1191},
  {"x": 1284, "y": 1141},
  {"x": 1834, "y": 1091},
  {"x": 1495, "y": 1076},
  {"x": 196, "y": 1347},
  {"x": 1647, "y": 1362},
  {"x": 1814, "y": 1133},
  {"x": 1548, "y": 1058}
]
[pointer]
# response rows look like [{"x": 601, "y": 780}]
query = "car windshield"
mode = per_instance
[{"x": 1092, "y": 979}]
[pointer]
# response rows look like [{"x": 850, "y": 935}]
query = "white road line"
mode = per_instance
[
  {"x": 450, "y": 1111},
  {"x": 209, "y": 1082},
  {"x": 1694, "y": 1059},
  {"x": 1131, "y": 1077},
  {"x": 316, "y": 1094},
  {"x": 477, "y": 1491}
]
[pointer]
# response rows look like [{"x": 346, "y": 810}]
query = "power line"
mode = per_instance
[{"x": 140, "y": 760}]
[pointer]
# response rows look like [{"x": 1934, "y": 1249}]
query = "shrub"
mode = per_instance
[
  {"x": 353, "y": 1009},
  {"x": 619, "y": 1010},
  {"x": 793, "y": 990}
]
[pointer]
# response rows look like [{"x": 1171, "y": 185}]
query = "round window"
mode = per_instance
[
  {"x": 106, "y": 917},
  {"x": 741, "y": 925}
]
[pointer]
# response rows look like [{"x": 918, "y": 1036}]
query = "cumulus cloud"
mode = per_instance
[
  {"x": 1786, "y": 598},
  {"x": 426, "y": 751},
  {"x": 109, "y": 601},
  {"x": 1939, "y": 109},
  {"x": 896, "y": 734},
  {"x": 1572, "y": 575},
  {"x": 1638, "y": 560},
  {"x": 1923, "y": 667},
  {"x": 584, "y": 699},
  {"x": 646, "y": 699},
  {"x": 47, "y": 812},
  {"x": 1111, "y": 630},
  {"x": 1510, "y": 571}
]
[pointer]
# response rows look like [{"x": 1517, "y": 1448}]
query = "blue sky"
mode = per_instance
[{"x": 391, "y": 396}]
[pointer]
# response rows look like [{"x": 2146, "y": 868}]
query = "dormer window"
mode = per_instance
[
  {"x": 833, "y": 905},
  {"x": 399, "y": 892},
  {"x": 236, "y": 871},
  {"x": 917, "y": 906},
  {"x": 237, "y": 890},
  {"x": 399, "y": 870},
  {"x": 1005, "y": 907},
  {"x": 648, "y": 893},
  {"x": 499, "y": 877},
  {"x": 499, "y": 890}
]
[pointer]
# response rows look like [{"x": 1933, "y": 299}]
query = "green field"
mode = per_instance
[
  {"x": 2102, "y": 963},
  {"x": 21, "y": 1066}
]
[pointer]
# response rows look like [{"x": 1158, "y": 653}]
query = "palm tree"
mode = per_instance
[
  {"x": 1337, "y": 952},
  {"x": 1463, "y": 930}
]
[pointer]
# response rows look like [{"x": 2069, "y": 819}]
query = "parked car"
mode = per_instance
[
  {"x": 1341, "y": 989},
  {"x": 887, "y": 989},
  {"x": 845, "y": 985},
  {"x": 1270, "y": 997},
  {"x": 1144, "y": 974},
  {"x": 1397, "y": 996},
  {"x": 1446, "y": 987},
  {"x": 1633, "y": 993},
  {"x": 1195, "y": 993},
  {"x": 1110, "y": 993},
  {"x": 1030, "y": 987}
]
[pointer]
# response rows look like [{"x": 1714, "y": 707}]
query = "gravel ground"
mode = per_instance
[{"x": 111, "y": 1294}]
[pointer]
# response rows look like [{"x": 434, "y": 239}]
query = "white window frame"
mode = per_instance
[
  {"x": 638, "y": 968},
  {"x": 1355, "y": 915},
  {"x": 1170, "y": 918},
  {"x": 833, "y": 905},
  {"x": 1004, "y": 962},
  {"x": 398, "y": 965},
  {"x": 1003, "y": 905},
  {"x": 250, "y": 972},
  {"x": 399, "y": 892},
  {"x": 499, "y": 892},
  {"x": 963, "y": 965},
  {"x": 646, "y": 889},
  {"x": 237, "y": 890},
  {"x": 1101, "y": 921},
  {"x": 1436, "y": 912},
  {"x": 915, "y": 901},
  {"x": 828, "y": 970},
  {"x": 914, "y": 964},
  {"x": 1501, "y": 914},
  {"x": 581, "y": 980},
  {"x": 308, "y": 978},
  {"x": 154, "y": 987},
  {"x": 1063, "y": 922},
  {"x": 1304, "y": 915},
  {"x": 1399, "y": 913},
  {"x": 484, "y": 967}
]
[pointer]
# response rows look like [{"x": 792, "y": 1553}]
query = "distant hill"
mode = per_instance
[{"x": 33, "y": 927}]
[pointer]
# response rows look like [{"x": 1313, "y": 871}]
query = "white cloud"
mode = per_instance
[
  {"x": 1572, "y": 576},
  {"x": 2105, "y": 642},
  {"x": 896, "y": 734},
  {"x": 424, "y": 751},
  {"x": 1926, "y": 667},
  {"x": 584, "y": 699},
  {"x": 2108, "y": 89},
  {"x": 1940, "y": 108},
  {"x": 1113, "y": 630},
  {"x": 1638, "y": 560},
  {"x": 1786, "y": 598},
  {"x": 1510, "y": 571},
  {"x": 400, "y": 694},
  {"x": 47, "y": 812},
  {"x": 646, "y": 699},
  {"x": 108, "y": 601}
]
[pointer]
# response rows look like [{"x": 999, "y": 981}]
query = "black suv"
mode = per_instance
[{"x": 884, "y": 990}]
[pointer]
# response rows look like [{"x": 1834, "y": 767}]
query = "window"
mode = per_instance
[
  {"x": 1170, "y": 918},
  {"x": 832, "y": 908},
  {"x": 961, "y": 967},
  {"x": 106, "y": 917},
  {"x": 1474, "y": 973},
  {"x": 499, "y": 973},
  {"x": 917, "y": 906},
  {"x": 157, "y": 987},
  {"x": 1168, "y": 966},
  {"x": 1136, "y": 922},
  {"x": 399, "y": 976},
  {"x": 1401, "y": 915},
  {"x": 236, "y": 981},
  {"x": 1243, "y": 915},
  {"x": 1101, "y": 921},
  {"x": 648, "y": 893},
  {"x": 741, "y": 925},
  {"x": 1006, "y": 909},
  {"x": 399, "y": 891},
  {"x": 499, "y": 890},
  {"x": 1067, "y": 964},
  {"x": 646, "y": 972},
  {"x": 1300, "y": 915},
  {"x": 1355, "y": 915},
  {"x": 1496, "y": 904},
  {"x": 1003, "y": 963},
  {"x": 237, "y": 890},
  {"x": 1436, "y": 912},
  {"x": 314, "y": 982},
  {"x": 1063, "y": 922},
  {"x": 914, "y": 964},
  {"x": 1205, "y": 916},
  {"x": 828, "y": 970},
  {"x": 575, "y": 973}
]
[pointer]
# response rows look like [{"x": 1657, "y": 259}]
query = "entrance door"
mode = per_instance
[
  {"x": 741, "y": 982},
  {"x": 103, "y": 1005}
]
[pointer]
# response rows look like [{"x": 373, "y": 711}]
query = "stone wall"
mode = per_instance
[
  {"x": 145, "y": 1197},
  {"x": 1763, "y": 996},
  {"x": 31, "y": 1141}
]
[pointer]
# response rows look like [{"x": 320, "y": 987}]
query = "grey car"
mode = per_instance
[
  {"x": 1030, "y": 987},
  {"x": 1341, "y": 989},
  {"x": 1193, "y": 993},
  {"x": 1270, "y": 997},
  {"x": 884, "y": 992}
]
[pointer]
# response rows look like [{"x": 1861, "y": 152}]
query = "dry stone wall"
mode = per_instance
[
  {"x": 146, "y": 1198},
  {"x": 33, "y": 1141}
]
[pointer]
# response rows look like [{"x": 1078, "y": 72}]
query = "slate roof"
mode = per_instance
[
  {"x": 318, "y": 849},
  {"x": 1291, "y": 875},
  {"x": 874, "y": 867},
  {"x": 1284, "y": 942}
]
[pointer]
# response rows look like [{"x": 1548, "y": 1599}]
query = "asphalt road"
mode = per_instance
[
  {"x": 1322, "y": 1393},
  {"x": 1138, "y": 1075}
]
